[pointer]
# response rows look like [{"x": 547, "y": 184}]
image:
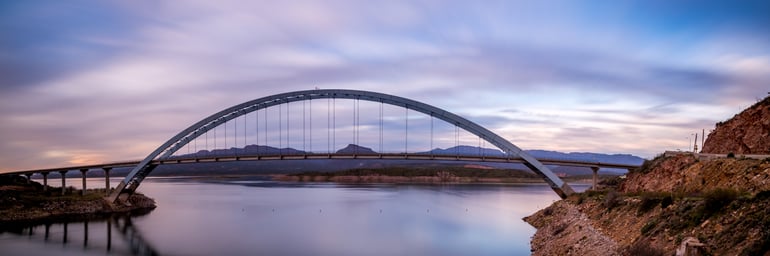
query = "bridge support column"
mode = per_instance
[
  {"x": 45, "y": 181},
  {"x": 596, "y": 178},
  {"x": 63, "y": 182},
  {"x": 107, "y": 180},
  {"x": 29, "y": 178},
  {"x": 83, "y": 174}
]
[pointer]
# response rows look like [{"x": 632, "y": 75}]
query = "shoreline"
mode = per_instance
[{"x": 22, "y": 200}]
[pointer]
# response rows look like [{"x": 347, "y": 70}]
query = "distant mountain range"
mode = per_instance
[
  {"x": 329, "y": 165},
  {"x": 458, "y": 150}
]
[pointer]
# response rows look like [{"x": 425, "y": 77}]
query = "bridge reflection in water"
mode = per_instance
[{"x": 112, "y": 234}]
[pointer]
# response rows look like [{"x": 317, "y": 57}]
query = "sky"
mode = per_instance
[{"x": 98, "y": 81}]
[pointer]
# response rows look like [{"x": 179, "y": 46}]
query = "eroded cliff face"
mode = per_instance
[
  {"x": 723, "y": 203},
  {"x": 746, "y": 133}
]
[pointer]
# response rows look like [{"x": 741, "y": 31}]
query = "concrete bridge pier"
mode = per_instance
[
  {"x": 595, "y": 169},
  {"x": 63, "y": 182},
  {"x": 29, "y": 178},
  {"x": 45, "y": 181},
  {"x": 107, "y": 180},
  {"x": 83, "y": 174}
]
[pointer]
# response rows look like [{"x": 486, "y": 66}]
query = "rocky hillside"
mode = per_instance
[
  {"x": 673, "y": 204},
  {"x": 721, "y": 204},
  {"x": 746, "y": 133},
  {"x": 685, "y": 174}
]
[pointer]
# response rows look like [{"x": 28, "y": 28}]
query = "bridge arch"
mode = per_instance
[{"x": 144, "y": 168}]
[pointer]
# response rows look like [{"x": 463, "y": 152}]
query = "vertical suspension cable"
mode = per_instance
[
  {"x": 280, "y": 129},
  {"x": 457, "y": 141},
  {"x": 256, "y": 129},
  {"x": 225, "y": 134},
  {"x": 235, "y": 132},
  {"x": 483, "y": 145},
  {"x": 479, "y": 146},
  {"x": 245, "y": 128},
  {"x": 355, "y": 129},
  {"x": 334, "y": 123},
  {"x": 358, "y": 122},
  {"x": 431, "y": 133},
  {"x": 287, "y": 125},
  {"x": 215, "y": 138},
  {"x": 310, "y": 102},
  {"x": 406, "y": 129},
  {"x": 304, "y": 141},
  {"x": 265, "y": 132},
  {"x": 381, "y": 105},
  {"x": 328, "y": 125}
]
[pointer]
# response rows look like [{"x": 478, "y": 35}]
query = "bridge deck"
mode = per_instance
[{"x": 385, "y": 156}]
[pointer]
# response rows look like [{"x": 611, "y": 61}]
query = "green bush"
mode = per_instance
[
  {"x": 648, "y": 227},
  {"x": 666, "y": 201},
  {"x": 611, "y": 200},
  {"x": 643, "y": 247},
  {"x": 717, "y": 199},
  {"x": 647, "y": 203}
]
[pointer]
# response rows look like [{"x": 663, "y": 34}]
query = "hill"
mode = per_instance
[
  {"x": 679, "y": 204},
  {"x": 747, "y": 132}
]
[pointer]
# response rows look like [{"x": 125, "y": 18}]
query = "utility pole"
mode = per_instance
[{"x": 695, "y": 144}]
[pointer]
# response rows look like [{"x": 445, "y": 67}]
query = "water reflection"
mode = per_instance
[
  {"x": 258, "y": 217},
  {"x": 282, "y": 218},
  {"x": 111, "y": 234}
]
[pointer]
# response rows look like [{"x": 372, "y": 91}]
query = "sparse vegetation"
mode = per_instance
[
  {"x": 611, "y": 200},
  {"x": 611, "y": 181},
  {"x": 717, "y": 199},
  {"x": 649, "y": 226},
  {"x": 559, "y": 228},
  {"x": 643, "y": 247}
]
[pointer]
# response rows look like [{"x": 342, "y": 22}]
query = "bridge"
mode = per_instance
[{"x": 279, "y": 105}]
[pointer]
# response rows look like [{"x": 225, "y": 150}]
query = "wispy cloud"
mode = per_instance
[{"x": 100, "y": 80}]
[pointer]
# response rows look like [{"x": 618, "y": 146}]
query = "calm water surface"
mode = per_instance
[{"x": 254, "y": 217}]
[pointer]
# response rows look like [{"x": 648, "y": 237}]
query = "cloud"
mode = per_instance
[{"x": 116, "y": 79}]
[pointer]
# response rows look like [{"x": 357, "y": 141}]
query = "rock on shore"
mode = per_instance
[{"x": 563, "y": 230}]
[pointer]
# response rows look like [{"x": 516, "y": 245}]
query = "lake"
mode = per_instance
[{"x": 260, "y": 217}]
